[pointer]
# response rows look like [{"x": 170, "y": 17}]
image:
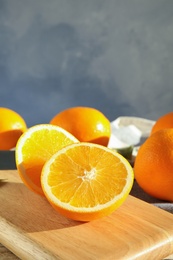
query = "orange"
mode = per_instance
[
  {"x": 153, "y": 166},
  {"x": 86, "y": 181},
  {"x": 35, "y": 147},
  {"x": 12, "y": 125},
  {"x": 165, "y": 121},
  {"x": 85, "y": 123}
]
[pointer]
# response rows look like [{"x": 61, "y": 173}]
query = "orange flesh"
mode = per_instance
[{"x": 80, "y": 183}]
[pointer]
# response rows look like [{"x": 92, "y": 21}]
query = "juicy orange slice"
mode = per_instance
[
  {"x": 85, "y": 181},
  {"x": 35, "y": 147}
]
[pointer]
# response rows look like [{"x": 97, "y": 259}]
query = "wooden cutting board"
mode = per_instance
[{"x": 31, "y": 228}]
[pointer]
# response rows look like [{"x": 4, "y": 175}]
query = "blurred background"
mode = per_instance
[{"x": 114, "y": 55}]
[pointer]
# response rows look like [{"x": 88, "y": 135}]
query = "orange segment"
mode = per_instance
[
  {"x": 35, "y": 147},
  {"x": 12, "y": 126},
  {"x": 86, "y": 181}
]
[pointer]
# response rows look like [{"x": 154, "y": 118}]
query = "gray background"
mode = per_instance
[{"x": 114, "y": 55}]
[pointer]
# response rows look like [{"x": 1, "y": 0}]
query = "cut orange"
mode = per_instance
[
  {"x": 86, "y": 181},
  {"x": 12, "y": 126},
  {"x": 35, "y": 147}
]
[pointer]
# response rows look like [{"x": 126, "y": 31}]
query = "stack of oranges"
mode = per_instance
[
  {"x": 153, "y": 166},
  {"x": 69, "y": 163}
]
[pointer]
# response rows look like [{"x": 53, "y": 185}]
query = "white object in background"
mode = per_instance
[{"x": 129, "y": 131}]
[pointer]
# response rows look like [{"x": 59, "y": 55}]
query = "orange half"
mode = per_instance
[
  {"x": 86, "y": 181},
  {"x": 35, "y": 147}
]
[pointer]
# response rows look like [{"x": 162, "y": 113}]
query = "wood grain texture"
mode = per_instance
[
  {"x": 5, "y": 254},
  {"x": 31, "y": 229}
]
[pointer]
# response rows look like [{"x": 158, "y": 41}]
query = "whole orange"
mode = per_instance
[
  {"x": 85, "y": 123},
  {"x": 165, "y": 121},
  {"x": 12, "y": 125},
  {"x": 153, "y": 167}
]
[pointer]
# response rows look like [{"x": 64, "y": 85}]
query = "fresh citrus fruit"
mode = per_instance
[
  {"x": 85, "y": 123},
  {"x": 36, "y": 146},
  {"x": 153, "y": 166},
  {"x": 86, "y": 181},
  {"x": 165, "y": 121},
  {"x": 12, "y": 125}
]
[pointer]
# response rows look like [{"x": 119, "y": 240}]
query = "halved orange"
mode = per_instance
[
  {"x": 35, "y": 147},
  {"x": 86, "y": 181}
]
